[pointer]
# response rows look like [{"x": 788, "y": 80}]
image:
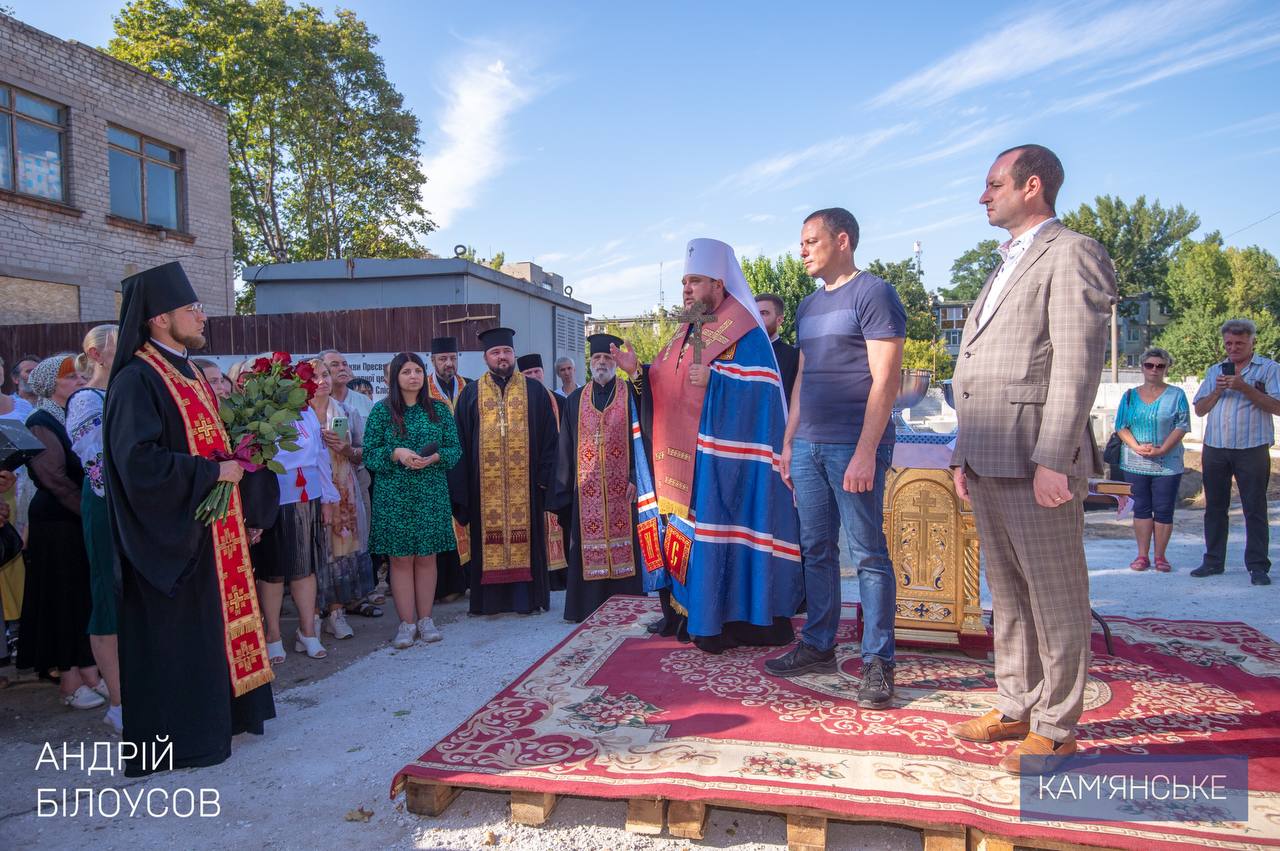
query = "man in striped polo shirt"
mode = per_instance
[{"x": 1238, "y": 398}]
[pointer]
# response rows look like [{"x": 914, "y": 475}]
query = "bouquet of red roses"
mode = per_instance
[{"x": 259, "y": 417}]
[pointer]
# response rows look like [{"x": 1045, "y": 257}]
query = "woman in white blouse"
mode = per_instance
[{"x": 298, "y": 544}]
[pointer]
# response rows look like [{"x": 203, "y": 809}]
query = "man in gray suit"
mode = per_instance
[{"x": 1025, "y": 380}]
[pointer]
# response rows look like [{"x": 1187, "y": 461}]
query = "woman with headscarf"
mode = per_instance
[
  {"x": 57, "y": 602},
  {"x": 84, "y": 428}
]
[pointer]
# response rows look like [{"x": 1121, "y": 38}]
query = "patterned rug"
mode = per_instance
[{"x": 613, "y": 712}]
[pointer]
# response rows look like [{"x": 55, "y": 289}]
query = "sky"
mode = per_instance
[{"x": 596, "y": 139}]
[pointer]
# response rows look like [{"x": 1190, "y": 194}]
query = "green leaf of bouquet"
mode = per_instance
[
  {"x": 297, "y": 397},
  {"x": 288, "y": 446},
  {"x": 275, "y": 467}
]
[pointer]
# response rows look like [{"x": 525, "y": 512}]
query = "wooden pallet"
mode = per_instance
[{"x": 806, "y": 827}]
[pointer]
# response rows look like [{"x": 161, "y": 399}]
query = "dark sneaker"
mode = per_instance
[
  {"x": 801, "y": 659},
  {"x": 1206, "y": 570},
  {"x": 876, "y": 691},
  {"x": 1259, "y": 577}
]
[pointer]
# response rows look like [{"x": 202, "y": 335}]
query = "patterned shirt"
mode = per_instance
[
  {"x": 1011, "y": 252},
  {"x": 1152, "y": 422},
  {"x": 1236, "y": 422}
]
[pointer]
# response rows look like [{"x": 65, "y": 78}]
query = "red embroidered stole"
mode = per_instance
[
  {"x": 604, "y": 472},
  {"x": 678, "y": 404},
  {"x": 505, "y": 513},
  {"x": 557, "y": 559},
  {"x": 245, "y": 643},
  {"x": 461, "y": 534}
]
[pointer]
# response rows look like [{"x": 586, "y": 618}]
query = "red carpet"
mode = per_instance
[{"x": 615, "y": 713}]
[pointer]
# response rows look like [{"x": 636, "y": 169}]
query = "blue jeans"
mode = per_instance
[
  {"x": 1153, "y": 496},
  {"x": 817, "y": 471}
]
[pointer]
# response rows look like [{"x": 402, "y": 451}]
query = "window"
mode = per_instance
[
  {"x": 1134, "y": 332},
  {"x": 145, "y": 178},
  {"x": 953, "y": 337},
  {"x": 955, "y": 314},
  {"x": 31, "y": 140}
]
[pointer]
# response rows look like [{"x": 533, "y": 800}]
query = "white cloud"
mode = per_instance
[
  {"x": 631, "y": 289},
  {"x": 972, "y": 217},
  {"x": 1261, "y": 124},
  {"x": 795, "y": 167},
  {"x": 1066, "y": 39},
  {"x": 479, "y": 97},
  {"x": 760, "y": 218},
  {"x": 933, "y": 202}
]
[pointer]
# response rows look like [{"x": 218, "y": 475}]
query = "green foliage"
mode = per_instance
[
  {"x": 928, "y": 354},
  {"x": 785, "y": 277},
  {"x": 323, "y": 154},
  {"x": 498, "y": 260},
  {"x": 906, "y": 279},
  {"x": 971, "y": 269},
  {"x": 1195, "y": 340},
  {"x": 1140, "y": 238},
  {"x": 648, "y": 335}
]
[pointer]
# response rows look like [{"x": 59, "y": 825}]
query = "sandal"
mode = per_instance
[
  {"x": 308, "y": 644},
  {"x": 377, "y": 600},
  {"x": 365, "y": 609},
  {"x": 1140, "y": 563},
  {"x": 1162, "y": 564},
  {"x": 275, "y": 652}
]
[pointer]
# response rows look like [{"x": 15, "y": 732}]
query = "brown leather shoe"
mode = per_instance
[
  {"x": 989, "y": 728},
  {"x": 1040, "y": 746}
]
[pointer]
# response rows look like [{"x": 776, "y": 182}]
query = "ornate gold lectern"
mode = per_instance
[{"x": 934, "y": 547}]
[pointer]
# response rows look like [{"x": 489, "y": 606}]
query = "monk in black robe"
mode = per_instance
[
  {"x": 176, "y": 677},
  {"x": 445, "y": 384},
  {"x": 508, "y": 570},
  {"x": 531, "y": 367},
  {"x": 601, "y": 505}
]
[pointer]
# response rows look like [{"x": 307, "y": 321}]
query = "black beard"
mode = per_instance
[
  {"x": 503, "y": 371},
  {"x": 195, "y": 342}
]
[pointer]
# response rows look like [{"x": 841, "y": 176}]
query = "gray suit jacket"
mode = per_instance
[{"x": 1025, "y": 382}]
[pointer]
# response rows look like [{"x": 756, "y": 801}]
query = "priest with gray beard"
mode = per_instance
[{"x": 595, "y": 488}]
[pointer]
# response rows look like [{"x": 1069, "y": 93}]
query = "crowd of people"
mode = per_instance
[{"x": 648, "y": 478}]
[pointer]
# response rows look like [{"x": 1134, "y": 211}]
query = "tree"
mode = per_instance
[
  {"x": 928, "y": 354},
  {"x": 323, "y": 154},
  {"x": 785, "y": 277},
  {"x": 906, "y": 279},
  {"x": 1140, "y": 238},
  {"x": 971, "y": 270},
  {"x": 1195, "y": 338},
  {"x": 1206, "y": 276},
  {"x": 498, "y": 260}
]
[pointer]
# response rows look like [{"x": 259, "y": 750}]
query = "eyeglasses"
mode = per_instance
[
  {"x": 195, "y": 308},
  {"x": 1154, "y": 365}
]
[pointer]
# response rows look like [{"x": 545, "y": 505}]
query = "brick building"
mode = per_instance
[{"x": 104, "y": 170}]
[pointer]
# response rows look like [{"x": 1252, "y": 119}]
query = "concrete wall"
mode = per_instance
[{"x": 77, "y": 243}]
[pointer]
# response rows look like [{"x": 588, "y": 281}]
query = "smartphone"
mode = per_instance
[
  {"x": 339, "y": 426},
  {"x": 1229, "y": 368}
]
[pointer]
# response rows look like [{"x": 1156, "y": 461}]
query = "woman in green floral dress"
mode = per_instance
[{"x": 412, "y": 518}]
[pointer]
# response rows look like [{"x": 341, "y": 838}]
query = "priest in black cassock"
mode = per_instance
[
  {"x": 595, "y": 488},
  {"x": 193, "y": 662},
  {"x": 501, "y": 486},
  {"x": 531, "y": 367},
  {"x": 445, "y": 384}
]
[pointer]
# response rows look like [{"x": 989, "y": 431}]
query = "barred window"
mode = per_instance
[
  {"x": 32, "y": 144},
  {"x": 146, "y": 178}
]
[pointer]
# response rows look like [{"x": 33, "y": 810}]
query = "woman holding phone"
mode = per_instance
[{"x": 410, "y": 446}]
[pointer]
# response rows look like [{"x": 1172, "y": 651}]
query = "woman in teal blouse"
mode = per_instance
[
  {"x": 1152, "y": 420},
  {"x": 408, "y": 447}
]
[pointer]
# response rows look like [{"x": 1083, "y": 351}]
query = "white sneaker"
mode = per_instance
[
  {"x": 337, "y": 626},
  {"x": 404, "y": 636},
  {"x": 115, "y": 718},
  {"x": 427, "y": 631},
  {"x": 101, "y": 688},
  {"x": 84, "y": 698}
]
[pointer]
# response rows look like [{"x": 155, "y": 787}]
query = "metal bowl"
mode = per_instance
[
  {"x": 949, "y": 394},
  {"x": 915, "y": 383}
]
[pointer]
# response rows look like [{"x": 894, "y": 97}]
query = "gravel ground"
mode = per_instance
[{"x": 347, "y": 724}]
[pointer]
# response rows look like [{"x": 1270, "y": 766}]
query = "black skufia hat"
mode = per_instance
[
  {"x": 145, "y": 295},
  {"x": 444, "y": 345},
  {"x": 600, "y": 343},
  {"x": 495, "y": 337},
  {"x": 528, "y": 362}
]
